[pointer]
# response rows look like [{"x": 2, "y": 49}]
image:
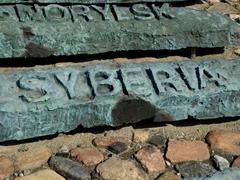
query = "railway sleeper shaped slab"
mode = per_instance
[
  {"x": 43, "y": 101},
  {"x": 60, "y": 30},
  {"x": 83, "y": 1}
]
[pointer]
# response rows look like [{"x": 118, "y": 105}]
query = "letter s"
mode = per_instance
[{"x": 38, "y": 87}]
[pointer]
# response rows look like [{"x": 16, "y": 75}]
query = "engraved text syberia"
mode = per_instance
[{"x": 43, "y": 101}]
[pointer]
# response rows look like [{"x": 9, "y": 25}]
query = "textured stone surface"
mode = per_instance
[
  {"x": 220, "y": 162},
  {"x": 88, "y": 156},
  {"x": 183, "y": 150},
  {"x": 157, "y": 140},
  {"x": 41, "y": 175},
  {"x": 69, "y": 168},
  {"x": 223, "y": 8},
  {"x": 45, "y": 30},
  {"x": 105, "y": 142},
  {"x": 118, "y": 147},
  {"x": 6, "y": 167},
  {"x": 231, "y": 174},
  {"x": 224, "y": 141},
  {"x": 169, "y": 175},
  {"x": 141, "y": 135},
  {"x": 115, "y": 168},
  {"x": 50, "y": 100},
  {"x": 83, "y": 1},
  {"x": 236, "y": 162},
  {"x": 194, "y": 169},
  {"x": 32, "y": 160},
  {"x": 126, "y": 132},
  {"x": 151, "y": 159}
]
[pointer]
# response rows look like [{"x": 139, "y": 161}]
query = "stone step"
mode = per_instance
[
  {"x": 42, "y": 101},
  {"x": 54, "y": 30}
]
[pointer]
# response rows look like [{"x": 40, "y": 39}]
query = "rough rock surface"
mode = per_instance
[
  {"x": 48, "y": 100},
  {"x": 182, "y": 150},
  {"x": 69, "y": 168},
  {"x": 157, "y": 140},
  {"x": 236, "y": 162},
  {"x": 88, "y": 156},
  {"x": 83, "y": 1},
  {"x": 6, "y": 167},
  {"x": 30, "y": 161},
  {"x": 60, "y": 30},
  {"x": 194, "y": 169},
  {"x": 169, "y": 175},
  {"x": 224, "y": 141},
  {"x": 118, "y": 147},
  {"x": 42, "y": 175},
  {"x": 106, "y": 142},
  {"x": 151, "y": 159},
  {"x": 231, "y": 174},
  {"x": 120, "y": 169},
  {"x": 221, "y": 162}
]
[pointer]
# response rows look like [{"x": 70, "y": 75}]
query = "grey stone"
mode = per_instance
[
  {"x": 69, "y": 168},
  {"x": 60, "y": 30},
  {"x": 157, "y": 140},
  {"x": 193, "y": 169},
  {"x": 118, "y": 147},
  {"x": 221, "y": 163},
  {"x": 227, "y": 174},
  {"x": 41, "y": 101}
]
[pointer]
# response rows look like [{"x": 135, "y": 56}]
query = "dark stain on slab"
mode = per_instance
[{"x": 36, "y": 50}]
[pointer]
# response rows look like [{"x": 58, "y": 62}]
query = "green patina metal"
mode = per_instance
[
  {"x": 83, "y": 1},
  {"x": 43, "y": 101},
  {"x": 59, "y": 30}
]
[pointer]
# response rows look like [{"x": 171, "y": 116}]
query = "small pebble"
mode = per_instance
[
  {"x": 168, "y": 163},
  {"x": 221, "y": 162},
  {"x": 63, "y": 149},
  {"x": 157, "y": 140},
  {"x": 193, "y": 169},
  {"x": 118, "y": 147},
  {"x": 68, "y": 168}
]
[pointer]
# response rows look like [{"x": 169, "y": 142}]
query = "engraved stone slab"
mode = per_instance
[
  {"x": 83, "y": 1},
  {"x": 43, "y": 101},
  {"x": 57, "y": 30}
]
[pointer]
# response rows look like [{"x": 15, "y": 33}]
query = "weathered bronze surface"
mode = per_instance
[
  {"x": 45, "y": 30},
  {"x": 43, "y": 101},
  {"x": 83, "y": 1}
]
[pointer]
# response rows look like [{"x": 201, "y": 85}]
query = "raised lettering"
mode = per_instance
[
  {"x": 39, "y": 88},
  {"x": 55, "y": 12},
  {"x": 81, "y": 11},
  {"x": 137, "y": 82},
  {"x": 168, "y": 80},
  {"x": 119, "y": 13},
  {"x": 210, "y": 79},
  {"x": 103, "y": 11},
  {"x": 155, "y": 10},
  {"x": 7, "y": 12},
  {"x": 142, "y": 12},
  {"x": 68, "y": 80},
  {"x": 105, "y": 82},
  {"x": 29, "y": 13},
  {"x": 189, "y": 76}
]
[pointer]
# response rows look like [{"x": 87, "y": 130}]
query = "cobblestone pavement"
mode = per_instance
[
  {"x": 163, "y": 152},
  {"x": 166, "y": 151}
]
